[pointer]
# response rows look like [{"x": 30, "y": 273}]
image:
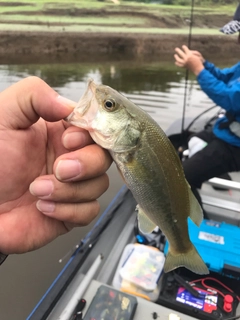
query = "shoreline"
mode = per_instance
[{"x": 29, "y": 46}]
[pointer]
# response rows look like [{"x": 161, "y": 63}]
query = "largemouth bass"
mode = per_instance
[{"x": 150, "y": 167}]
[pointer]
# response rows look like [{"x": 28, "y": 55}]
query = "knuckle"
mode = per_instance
[
  {"x": 105, "y": 182},
  {"x": 94, "y": 210},
  {"x": 76, "y": 193},
  {"x": 34, "y": 81},
  {"x": 83, "y": 216},
  {"x": 104, "y": 158},
  {"x": 99, "y": 156}
]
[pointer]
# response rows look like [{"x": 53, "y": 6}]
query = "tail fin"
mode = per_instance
[{"x": 190, "y": 260}]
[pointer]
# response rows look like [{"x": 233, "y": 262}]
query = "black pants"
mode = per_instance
[{"x": 217, "y": 158}]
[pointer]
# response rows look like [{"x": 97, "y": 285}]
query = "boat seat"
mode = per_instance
[{"x": 219, "y": 209}]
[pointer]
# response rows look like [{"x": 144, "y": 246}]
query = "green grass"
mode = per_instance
[
  {"x": 74, "y": 20},
  {"x": 93, "y": 4},
  {"x": 85, "y": 28}
]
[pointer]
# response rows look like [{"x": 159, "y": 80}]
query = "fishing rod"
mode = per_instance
[{"x": 187, "y": 73}]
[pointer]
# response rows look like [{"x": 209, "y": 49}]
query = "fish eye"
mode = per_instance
[{"x": 109, "y": 104}]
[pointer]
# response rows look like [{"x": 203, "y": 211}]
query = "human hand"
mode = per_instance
[
  {"x": 197, "y": 53},
  {"x": 192, "y": 60},
  {"x": 63, "y": 167}
]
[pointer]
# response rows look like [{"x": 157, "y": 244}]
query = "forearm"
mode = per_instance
[
  {"x": 223, "y": 95},
  {"x": 221, "y": 74}
]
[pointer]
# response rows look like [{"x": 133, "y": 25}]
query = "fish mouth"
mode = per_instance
[{"x": 77, "y": 116}]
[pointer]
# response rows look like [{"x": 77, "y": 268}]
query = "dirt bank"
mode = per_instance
[
  {"x": 17, "y": 45},
  {"x": 35, "y": 32}
]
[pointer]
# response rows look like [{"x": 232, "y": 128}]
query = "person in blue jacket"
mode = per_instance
[{"x": 221, "y": 151}]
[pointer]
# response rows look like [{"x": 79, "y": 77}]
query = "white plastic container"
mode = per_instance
[{"x": 139, "y": 270}]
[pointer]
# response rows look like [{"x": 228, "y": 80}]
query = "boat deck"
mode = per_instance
[{"x": 121, "y": 216}]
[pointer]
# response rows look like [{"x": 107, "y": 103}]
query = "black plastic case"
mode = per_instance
[{"x": 110, "y": 304}]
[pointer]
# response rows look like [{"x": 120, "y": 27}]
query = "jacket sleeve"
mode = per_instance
[
  {"x": 221, "y": 74},
  {"x": 226, "y": 96}
]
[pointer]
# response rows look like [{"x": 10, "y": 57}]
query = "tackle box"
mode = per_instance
[
  {"x": 139, "y": 270},
  {"x": 218, "y": 243}
]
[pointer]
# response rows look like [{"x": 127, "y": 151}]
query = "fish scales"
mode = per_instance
[
  {"x": 150, "y": 167},
  {"x": 154, "y": 188}
]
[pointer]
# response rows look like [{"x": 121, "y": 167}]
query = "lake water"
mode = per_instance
[{"x": 158, "y": 87}]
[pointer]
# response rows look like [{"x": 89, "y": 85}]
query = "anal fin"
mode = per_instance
[{"x": 144, "y": 223}]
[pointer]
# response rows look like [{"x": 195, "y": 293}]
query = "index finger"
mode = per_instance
[
  {"x": 85, "y": 163},
  {"x": 185, "y": 49}
]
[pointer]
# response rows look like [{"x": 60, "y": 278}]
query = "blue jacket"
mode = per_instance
[{"x": 223, "y": 87}]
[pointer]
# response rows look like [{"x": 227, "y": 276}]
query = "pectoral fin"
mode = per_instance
[
  {"x": 144, "y": 223},
  {"x": 196, "y": 213}
]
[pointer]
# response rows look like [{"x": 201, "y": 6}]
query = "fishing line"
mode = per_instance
[
  {"x": 187, "y": 73},
  {"x": 199, "y": 116}
]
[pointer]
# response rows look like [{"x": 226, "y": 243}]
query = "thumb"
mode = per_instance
[{"x": 23, "y": 103}]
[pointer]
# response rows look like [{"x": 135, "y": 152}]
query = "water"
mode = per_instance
[{"x": 158, "y": 87}]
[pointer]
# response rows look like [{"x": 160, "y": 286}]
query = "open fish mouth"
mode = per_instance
[{"x": 77, "y": 116}]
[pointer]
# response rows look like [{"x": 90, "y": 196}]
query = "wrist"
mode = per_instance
[{"x": 198, "y": 69}]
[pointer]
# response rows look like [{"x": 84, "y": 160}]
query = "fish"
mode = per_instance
[{"x": 150, "y": 167}]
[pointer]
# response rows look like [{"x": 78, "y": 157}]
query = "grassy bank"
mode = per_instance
[{"x": 105, "y": 16}]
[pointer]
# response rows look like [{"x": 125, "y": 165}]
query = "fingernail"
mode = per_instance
[
  {"x": 68, "y": 169},
  {"x": 67, "y": 102},
  {"x": 73, "y": 140},
  {"x": 41, "y": 188},
  {"x": 45, "y": 206}
]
